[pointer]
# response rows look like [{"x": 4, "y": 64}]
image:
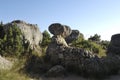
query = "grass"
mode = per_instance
[{"x": 14, "y": 73}]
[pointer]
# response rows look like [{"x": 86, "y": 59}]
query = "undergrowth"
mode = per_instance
[{"x": 14, "y": 73}]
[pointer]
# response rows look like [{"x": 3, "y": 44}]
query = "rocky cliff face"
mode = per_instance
[{"x": 31, "y": 32}]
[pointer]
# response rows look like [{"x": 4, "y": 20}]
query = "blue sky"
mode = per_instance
[{"x": 88, "y": 16}]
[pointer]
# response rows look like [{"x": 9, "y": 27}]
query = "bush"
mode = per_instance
[
  {"x": 46, "y": 39},
  {"x": 14, "y": 73},
  {"x": 90, "y": 46}
]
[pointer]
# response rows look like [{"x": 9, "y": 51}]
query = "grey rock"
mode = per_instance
[
  {"x": 59, "y": 29},
  {"x": 59, "y": 50},
  {"x": 30, "y": 32},
  {"x": 53, "y": 46},
  {"x": 115, "y": 39},
  {"x": 73, "y": 36},
  {"x": 80, "y": 60},
  {"x": 114, "y": 46},
  {"x": 56, "y": 71},
  {"x": 5, "y": 64}
]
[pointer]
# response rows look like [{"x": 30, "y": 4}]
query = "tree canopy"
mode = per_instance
[
  {"x": 96, "y": 38},
  {"x": 46, "y": 38}
]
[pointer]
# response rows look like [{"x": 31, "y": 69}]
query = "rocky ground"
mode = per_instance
[
  {"x": 5, "y": 64},
  {"x": 76, "y": 77}
]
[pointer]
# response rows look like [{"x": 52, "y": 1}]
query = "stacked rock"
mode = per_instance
[
  {"x": 80, "y": 60},
  {"x": 73, "y": 36},
  {"x": 58, "y": 50}
]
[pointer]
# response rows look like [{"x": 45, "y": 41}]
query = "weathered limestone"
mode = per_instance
[
  {"x": 56, "y": 71},
  {"x": 79, "y": 60},
  {"x": 5, "y": 64},
  {"x": 59, "y": 29},
  {"x": 73, "y": 36},
  {"x": 30, "y": 32},
  {"x": 58, "y": 47},
  {"x": 114, "y": 46}
]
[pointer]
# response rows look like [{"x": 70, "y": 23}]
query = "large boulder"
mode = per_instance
[
  {"x": 56, "y": 71},
  {"x": 115, "y": 39},
  {"x": 59, "y": 29},
  {"x": 59, "y": 50},
  {"x": 79, "y": 60},
  {"x": 73, "y": 36},
  {"x": 5, "y": 64},
  {"x": 52, "y": 51},
  {"x": 59, "y": 32},
  {"x": 114, "y": 46},
  {"x": 30, "y": 32}
]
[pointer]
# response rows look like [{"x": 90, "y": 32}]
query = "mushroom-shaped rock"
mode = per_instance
[
  {"x": 59, "y": 29},
  {"x": 114, "y": 46}
]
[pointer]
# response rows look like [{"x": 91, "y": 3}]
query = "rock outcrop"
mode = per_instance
[
  {"x": 56, "y": 71},
  {"x": 30, "y": 32},
  {"x": 5, "y": 64},
  {"x": 80, "y": 60},
  {"x": 58, "y": 48},
  {"x": 73, "y": 36},
  {"x": 60, "y": 32},
  {"x": 59, "y": 29},
  {"x": 114, "y": 46}
]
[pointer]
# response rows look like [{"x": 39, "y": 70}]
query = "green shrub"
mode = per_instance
[
  {"x": 10, "y": 41},
  {"x": 46, "y": 39},
  {"x": 90, "y": 46},
  {"x": 14, "y": 73}
]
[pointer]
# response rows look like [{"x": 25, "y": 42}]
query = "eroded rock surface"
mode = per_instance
[
  {"x": 30, "y": 32},
  {"x": 56, "y": 71},
  {"x": 73, "y": 36},
  {"x": 114, "y": 46},
  {"x": 59, "y": 29},
  {"x": 5, "y": 64},
  {"x": 80, "y": 60}
]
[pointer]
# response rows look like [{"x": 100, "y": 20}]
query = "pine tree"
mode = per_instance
[
  {"x": 17, "y": 41},
  {"x": 1, "y": 30},
  {"x": 46, "y": 38},
  {"x": 95, "y": 38}
]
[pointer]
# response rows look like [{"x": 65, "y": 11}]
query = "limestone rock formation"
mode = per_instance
[
  {"x": 56, "y": 71},
  {"x": 60, "y": 32},
  {"x": 58, "y": 48},
  {"x": 80, "y": 60},
  {"x": 114, "y": 46},
  {"x": 59, "y": 29},
  {"x": 73, "y": 36},
  {"x": 31, "y": 32},
  {"x": 5, "y": 64}
]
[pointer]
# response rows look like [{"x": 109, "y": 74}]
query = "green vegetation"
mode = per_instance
[
  {"x": 14, "y": 73},
  {"x": 45, "y": 42},
  {"x": 14, "y": 45},
  {"x": 10, "y": 41},
  {"x": 95, "y": 38},
  {"x": 93, "y": 44},
  {"x": 46, "y": 39}
]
